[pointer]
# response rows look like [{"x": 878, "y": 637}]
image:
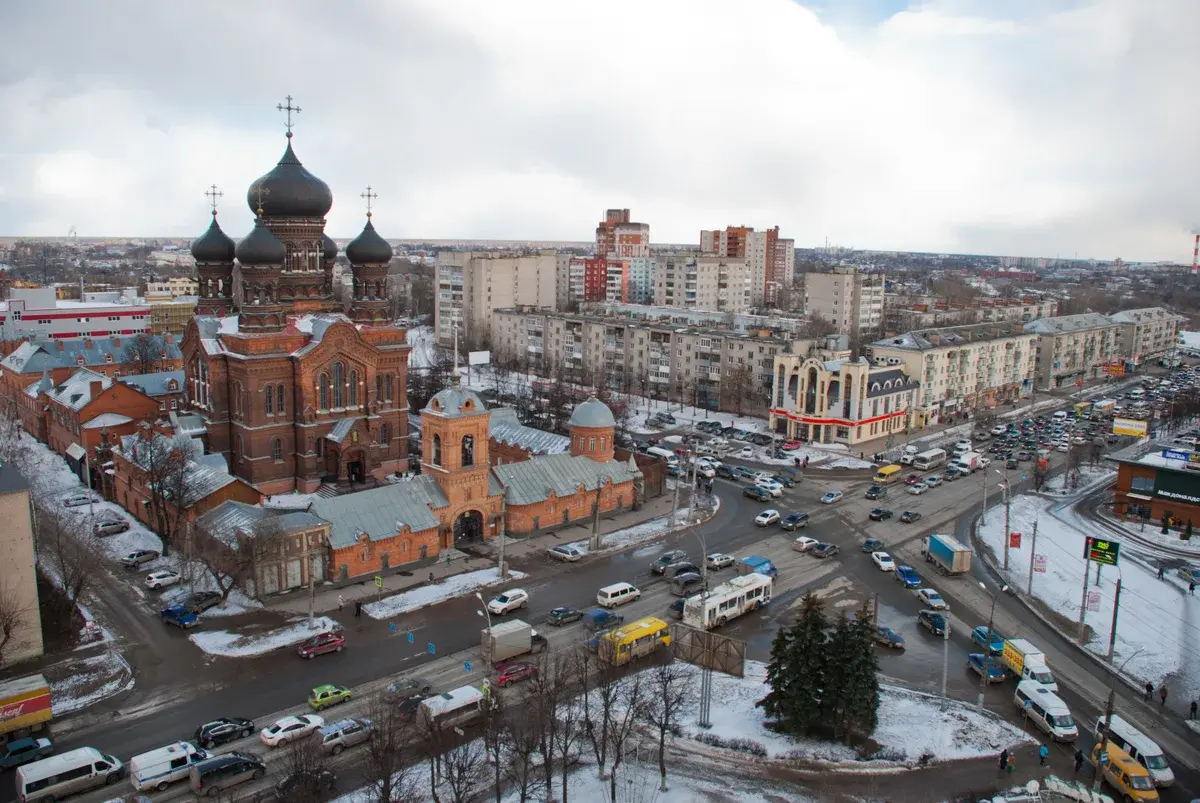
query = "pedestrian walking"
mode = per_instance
[
  {"x": 1192, "y": 589},
  {"x": 1149, "y": 691},
  {"x": 1162, "y": 695},
  {"x": 1004, "y": 759},
  {"x": 431, "y": 577},
  {"x": 1161, "y": 570},
  {"x": 1078, "y": 759},
  {"x": 357, "y": 608},
  {"x": 341, "y": 602},
  {"x": 1012, "y": 763},
  {"x": 1192, "y": 710},
  {"x": 1043, "y": 751}
]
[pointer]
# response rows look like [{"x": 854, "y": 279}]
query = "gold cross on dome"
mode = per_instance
[
  {"x": 213, "y": 194},
  {"x": 289, "y": 108},
  {"x": 259, "y": 194},
  {"x": 370, "y": 198}
]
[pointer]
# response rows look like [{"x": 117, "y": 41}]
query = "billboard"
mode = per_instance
[
  {"x": 1106, "y": 552},
  {"x": 479, "y": 357},
  {"x": 1130, "y": 426}
]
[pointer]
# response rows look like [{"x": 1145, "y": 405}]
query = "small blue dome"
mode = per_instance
[{"x": 593, "y": 414}]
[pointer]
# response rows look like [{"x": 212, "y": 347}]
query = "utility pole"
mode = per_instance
[
  {"x": 503, "y": 537},
  {"x": 1087, "y": 575},
  {"x": 312, "y": 592},
  {"x": 675, "y": 500},
  {"x": 1007, "y": 525},
  {"x": 983, "y": 513},
  {"x": 1032, "y": 558},
  {"x": 945, "y": 649},
  {"x": 1112, "y": 636}
]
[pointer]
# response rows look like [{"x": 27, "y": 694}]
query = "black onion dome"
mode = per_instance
[
  {"x": 213, "y": 246},
  {"x": 329, "y": 247},
  {"x": 290, "y": 190},
  {"x": 368, "y": 248},
  {"x": 261, "y": 247}
]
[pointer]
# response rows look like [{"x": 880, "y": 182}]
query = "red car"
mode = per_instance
[
  {"x": 512, "y": 673},
  {"x": 913, "y": 479},
  {"x": 321, "y": 644},
  {"x": 791, "y": 446}
]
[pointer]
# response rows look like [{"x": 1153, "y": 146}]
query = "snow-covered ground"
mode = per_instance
[
  {"x": 458, "y": 585},
  {"x": 647, "y": 530},
  {"x": 88, "y": 681},
  {"x": 236, "y": 645},
  {"x": 845, "y": 462},
  {"x": 1152, "y": 531},
  {"x": 1157, "y": 626},
  {"x": 422, "y": 340},
  {"x": 289, "y": 501},
  {"x": 1089, "y": 476}
]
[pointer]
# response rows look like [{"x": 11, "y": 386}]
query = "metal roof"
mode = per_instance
[
  {"x": 107, "y": 420},
  {"x": 42, "y": 354},
  {"x": 531, "y": 481},
  {"x": 342, "y": 428},
  {"x": 227, "y": 519},
  {"x": 156, "y": 384},
  {"x": 202, "y": 480},
  {"x": 505, "y": 427},
  {"x": 381, "y": 512},
  {"x": 451, "y": 402},
  {"x": 76, "y": 391},
  {"x": 1069, "y": 323}
]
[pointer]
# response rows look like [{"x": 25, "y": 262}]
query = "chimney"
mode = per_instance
[
  {"x": 60, "y": 345},
  {"x": 116, "y": 342},
  {"x": 95, "y": 388},
  {"x": 87, "y": 343}
]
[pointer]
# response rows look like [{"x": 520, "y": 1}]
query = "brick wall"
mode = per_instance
[
  {"x": 499, "y": 452},
  {"x": 557, "y": 512},
  {"x": 367, "y": 556}
]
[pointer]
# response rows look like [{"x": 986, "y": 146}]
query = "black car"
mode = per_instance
[
  {"x": 932, "y": 621},
  {"x": 563, "y": 616},
  {"x": 876, "y": 492},
  {"x": 794, "y": 521},
  {"x": 872, "y": 545},
  {"x": 1011, "y": 463},
  {"x": 909, "y": 516},
  {"x": 306, "y": 784},
  {"x": 879, "y": 514},
  {"x": 756, "y": 493},
  {"x": 784, "y": 480},
  {"x": 402, "y": 689},
  {"x": 223, "y": 730},
  {"x": 407, "y": 708},
  {"x": 676, "y": 608},
  {"x": 824, "y": 550},
  {"x": 684, "y": 568}
]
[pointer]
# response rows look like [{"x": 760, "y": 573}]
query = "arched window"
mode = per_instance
[
  {"x": 591, "y": 444},
  {"x": 468, "y": 450},
  {"x": 277, "y": 450},
  {"x": 279, "y": 408},
  {"x": 378, "y": 388},
  {"x": 383, "y": 435},
  {"x": 387, "y": 387},
  {"x": 354, "y": 388},
  {"x": 339, "y": 384},
  {"x": 270, "y": 397},
  {"x": 602, "y": 439},
  {"x": 324, "y": 384},
  {"x": 241, "y": 451},
  {"x": 437, "y": 450}
]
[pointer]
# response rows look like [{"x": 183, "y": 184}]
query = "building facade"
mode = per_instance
[
  {"x": 1147, "y": 334},
  {"x": 770, "y": 260},
  {"x": 904, "y": 313},
  {"x": 1157, "y": 484},
  {"x": 174, "y": 287},
  {"x": 472, "y": 284},
  {"x": 1073, "y": 349},
  {"x": 38, "y": 311},
  {"x": 619, "y": 237},
  {"x": 852, "y": 301},
  {"x": 688, "y": 281},
  {"x": 961, "y": 368},
  {"x": 20, "y": 567},
  {"x": 171, "y": 315}
]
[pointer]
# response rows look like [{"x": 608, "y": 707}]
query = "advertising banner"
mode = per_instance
[
  {"x": 479, "y": 357},
  {"x": 1014, "y": 540},
  {"x": 1130, "y": 426},
  {"x": 1039, "y": 563},
  {"x": 1106, "y": 552},
  {"x": 1093, "y": 604},
  {"x": 1179, "y": 487}
]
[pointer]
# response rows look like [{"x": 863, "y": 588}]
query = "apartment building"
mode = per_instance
[
  {"x": 471, "y": 284},
  {"x": 20, "y": 577},
  {"x": 641, "y": 279},
  {"x": 171, "y": 315},
  {"x": 851, "y": 300},
  {"x": 1146, "y": 334},
  {"x": 961, "y": 368},
  {"x": 788, "y": 325},
  {"x": 174, "y": 287},
  {"x": 1072, "y": 349},
  {"x": 619, "y": 237},
  {"x": 906, "y": 313},
  {"x": 825, "y": 396},
  {"x": 38, "y": 310},
  {"x": 771, "y": 260},
  {"x": 720, "y": 284},
  {"x": 710, "y": 367}
]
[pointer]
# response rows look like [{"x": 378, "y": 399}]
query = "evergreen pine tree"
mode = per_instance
[
  {"x": 778, "y": 705},
  {"x": 835, "y": 698},
  {"x": 796, "y": 671},
  {"x": 862, "y": 676}
]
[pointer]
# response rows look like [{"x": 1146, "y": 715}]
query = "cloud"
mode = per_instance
[{"x": 1055, "y": 127}]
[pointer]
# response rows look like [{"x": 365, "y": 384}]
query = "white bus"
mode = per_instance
[
  {"x": 461, "y": 706},
  {"x": 749, "y": 592},
  {"x": 930, "y": 459}
]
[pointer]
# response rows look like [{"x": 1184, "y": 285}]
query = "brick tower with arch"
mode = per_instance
[{"x": 592, "y": 427}]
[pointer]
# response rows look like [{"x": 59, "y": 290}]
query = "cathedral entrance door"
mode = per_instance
[
  {"x": 355, "y": 469},
  {"x": 468, "y": 528}
]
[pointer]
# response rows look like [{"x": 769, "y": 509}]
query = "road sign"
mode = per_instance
[
  {"x": 410, "y": 637},
  {"x": 1093, "y": 602},
  {"x": 431, "y": 648},
  {"x": 467, "y": 666},
  {"x": 392, "y": 626},
  {"x": 378, "y": 581},
  {"x": 1105, "y": 552},
  {"x": 1014, "y": 540},
  {"x": 1024, "y": 476},
  {"x": 1039, "y": 563}
]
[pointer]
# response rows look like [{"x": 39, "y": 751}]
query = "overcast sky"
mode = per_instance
[{"x": 1053, "y": 127}]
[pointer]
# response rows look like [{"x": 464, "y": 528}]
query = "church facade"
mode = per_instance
[{"x": 292, "y": 391}]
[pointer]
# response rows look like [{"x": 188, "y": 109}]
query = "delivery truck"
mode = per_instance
[
  {"x": 510, "y": 639},
  {"x": 946, "y": 553},
  {"x": 967, "y": 462},
  {"x": 1027, "y": 662},
  {"x": 24, "y": 707}
]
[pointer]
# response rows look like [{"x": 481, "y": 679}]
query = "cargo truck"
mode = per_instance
[
  {"x": 946, "y": 553},
  {"x": 967, "y": 462},
  {"x": 24, "y": 707},
  {"x": 510, "y": 639},
  {"x": 1027, "y": 662}
]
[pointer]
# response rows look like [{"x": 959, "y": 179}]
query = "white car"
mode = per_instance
[
  {"x": 78, "y": 500},
  {"x": 162, "y": 579},
  {"x": 984, "y": 462},
  {"x": 746, "y": 452},
  {"x": 711, "y": 462},
  {"x": 963, "y": 446},
  {"x": 767, "y": 517},
  {"x": 289, "y": 729},
  {"x": 918, "y": 489},
  {"x": 999, "y": 429},
  {"x": 509, "y": 601},
  {"x": 884, "y": 561},
  {"x": 831, "y": 497},
  {"x": 804, "y": 543},
  {"x": 568, "y": 553},
  {"x": 719, "y": 560},
  {"x": 705, "y": 471},
  {"x": 932, "y": 599},
  {"x": 770, "y": 486}
]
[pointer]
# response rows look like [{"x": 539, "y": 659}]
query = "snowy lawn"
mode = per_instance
[
  {"x": 237, "y": 645},
  {"x": 1152, "y": 531},
  {"x": 1157, "y": 617},
  {"x": 1063, "y": 484},
  {"x": 846, "y": 462},
  {"x": 646, "y": 531},
  {"x": 458, "y": 585},
  {"x": 77, "y": 683}
]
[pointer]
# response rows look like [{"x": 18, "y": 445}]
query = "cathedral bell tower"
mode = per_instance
[
  {"x": 369, "y": 255},
  {"x": 213, "y": 252}
]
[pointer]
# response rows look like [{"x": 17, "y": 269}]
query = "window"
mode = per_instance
[
  {"x": 378, "y": 388},
  {"x": 277, "y": 450},
  {"x": 324, "y": 401},
  {"x": 437, "y": 450},
  {"x": 383, "y": 435},
  {"x": 240, "y": 452},
  {"x": 468, "y": 450},
  {"x": 339, "y": 384},
  {"x": 354, "y": 388},
  {"x": 279, "y": 399},
  {"x": 591, "y": 444},
  {"x": 1141, "y": 484},
  {"x": 602, "y": 440},
  {"x": 270, "y": 400},
  {"x": 387, "y": 387}
]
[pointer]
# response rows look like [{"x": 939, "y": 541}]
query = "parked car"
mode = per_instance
[
  {"x": 162, "y": 579},
  {"x": 512, "y": 600},
  {"x": 602, "y": 619},
  {"x": 514, "y": 673},
  {"x": 745, "y": 453},
  {"x": 791, "y": 446},
  {"x": 879, "y": 514},
  {"x": 983, "y": 636},
  {"x": 804, "y": 543},
  {"x": 78, "y": 500},
  {"x": 794, "y": 521},
  {"x": 908, "y": 576},
  {"x": 910, "y": 516},
  {"x": 201, "y": 601},
  {"x": 22, "y": 751},
  {"x": 179, "y": 616},
  {"x": 307, "y": 784},
  {"x": 889, "y": 638},
  {"x": 932, "y": 621},
  {"x": 563, "y": 616},
  {"x": 825, "y": 550},
  {"x": 918, "y": 489},
  {"x": 289, "y": 729},
  {"x": 719, "y": 560},
  {"x": 667, "y": 560},
  {"x": 830, "y": 497},
  {"x": 223, "y": 730},
  {"x": 134, "y": 559},
  {"x": 329, "y": 641},
  {"x": 784, "y": 480},
  {"x": 404, "y": 688},
  {"x": 766, "y": 518},
  {"x": 883, "y": 561},
  {"x": 108, "y": 527},
  {"x": 1189, "y": 574},
  {"x": 568, "y": 553},
  {"x": 932, "y": 599},
  {"x": 756, "y": 493},
  {"x": 326, "y": 695},
  {"x": 872, "y": 545}
]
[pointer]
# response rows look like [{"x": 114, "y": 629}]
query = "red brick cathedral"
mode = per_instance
[{"x": 292, "y": 391}]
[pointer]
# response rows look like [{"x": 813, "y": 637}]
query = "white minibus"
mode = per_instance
[
  {"x": 76, "y": 770},
  {"x": 159, "y": 768},
  {"x": 1140, "y": 747},
  {"x": 1044, "y": 709},
  {"x": 460, "y": 706}
]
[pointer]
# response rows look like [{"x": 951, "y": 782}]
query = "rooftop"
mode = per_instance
[
  {"x": 12, "y": 480},
  {"x": 532, "y": 481},
  {"x": 159, "y": 384},
  {"x": 76, "y": 392},
  {"x": 1144, "y": 315},
  {"x": 950, "y": 336},
  {"x": 1083, "y": 322},
  {"x": 380, "y": 513},
  {"x": 505, "y": 427},
  {"x": 44, "y": 353}
]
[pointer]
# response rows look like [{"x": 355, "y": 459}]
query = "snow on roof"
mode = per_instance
[
  {"x": 1141, "y": 315},
  {"x": 531, "y": 481},
  {"x": 107, "y": 420},
  {"x": 76, "y": 392},
  {"x": 1069, "y": 323},
  {"x": 503, "y": 426},
  {"x": 381, "y": 512}
]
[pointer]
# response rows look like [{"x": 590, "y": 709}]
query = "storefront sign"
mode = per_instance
[
  {"x": 1176, "y": 454},
  {"x": 1130, "y": 426},
  {"x": 1179, "y": 487}
]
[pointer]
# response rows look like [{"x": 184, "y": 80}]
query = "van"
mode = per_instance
[
  {"x": 671, "y": 458},
  {"x": 1140, "y": 747},
  {"x": 1044, "y": 709},
  {"x": 616, "y": 594},
  {"x": 228, "y": 769},
  {"x": 461, "y": 706},
  {"x": 908, "y": 455},
  {"x": 888, "y": 474},
  {"x": 1128, "y": 777},
  {"x": 56, "y": 777},
  {"x": 1060, "y": 416},
  {"x": 160, "y": 768},
  {"x": 961, "y": 448}
]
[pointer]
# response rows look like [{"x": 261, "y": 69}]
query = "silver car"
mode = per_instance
[{"x": 336, "y": 737}]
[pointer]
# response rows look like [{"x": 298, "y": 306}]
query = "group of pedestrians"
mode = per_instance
[{"x": 1162, "y": 570}]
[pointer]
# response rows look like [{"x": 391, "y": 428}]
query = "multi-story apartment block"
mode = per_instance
[
  {"x": 824, "y": 396},
  {"x": 172, "y": 288},
  {"x": 641, "y": 280},
  {"x": 961, "y": 368},
  {"x": 472, "y": 284},
  {"x": 1146, "y": 334},
  {"x": 171, "y": 315},
  {"x": 39, "y": 311},
  {"x": 1072, "y": 349},
  {"x": 770, "y": 259},
  {"x": 619, "y": 237},
  {"x": 721, "y": 284},
  {"x": 904, "y": 314},
  {"x": 563, "y": 263},
  {"x": 789, "y": 325},
  {"x": 24, "y": 639},
  {"x": 851, "y": 301},
  {"x": 713, "y": 368}
]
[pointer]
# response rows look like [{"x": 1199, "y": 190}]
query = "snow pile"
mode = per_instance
[
  {"x": 646, "y": 531},
  {"x": 236, "y": 645},
  {"x": 89, "y": 681},
  {"x": 846, "y": 462},
  {"x": 1088, "y": 478},
  {"x": 458, "y": 585},
  {"x": 289, "y": 501}
]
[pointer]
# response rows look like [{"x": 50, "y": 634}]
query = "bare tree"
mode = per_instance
[
  {"x": 232, "y": 558},
  {"x": 463, "y": 771},
  {"x": 166, "y": 468},
  {"x": 145, "y": 354},
  {"x": 549, "y": 694},
  {"x": 625, "y": 721},
  {"x": 386, "y": 758},
  {"x": 304, "y": 771},
  {"x": 495, "y": 740},
  {"x": 737, "y": 386},
  {"x": 65, "y": 548},
  {"x": 670, "y": 692},
  {"x": 522, "y": 736},
  {"x": 600, "y": 685},
  {"x": 16, "y": 618}
]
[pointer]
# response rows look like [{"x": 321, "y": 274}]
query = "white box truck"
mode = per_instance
[
  {"x": 508, "y": 640},
  {"x": 1027, "y": 662}
]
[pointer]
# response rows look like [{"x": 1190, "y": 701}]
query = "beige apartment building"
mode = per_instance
[
  {"x": 771, "y": 260},
  {"x": 171, "y": 315},
  {"x": 1072, "y": 349},
  {"x": 20, "y": 577},
  {"x": 851, "y": 300},
  {"x": 691, "y": 281},
  {"x": 471, "y": 284},
  {"x": 171, "y": 288},
  {"x": 963, "y": 368},
  {"x": 906, "y": 313},
  {"x": 708, "y": 367},
  {"x": 1146, "y": 334}
]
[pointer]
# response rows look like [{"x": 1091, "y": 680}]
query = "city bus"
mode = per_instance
[
  {"x": 635, "y": 640},
  {"x": 929, "y": 460},
  {"x": 749, "y": 592}
]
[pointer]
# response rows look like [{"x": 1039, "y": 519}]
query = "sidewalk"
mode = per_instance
[{"x": 515, "y": 549}]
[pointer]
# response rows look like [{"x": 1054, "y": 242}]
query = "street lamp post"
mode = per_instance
[
  {"x": 1108, "y": 714},
  {"x": 705, "y": 705},
  {"x": 987, "y": 643},
  {"x": 483, "y": 611}
]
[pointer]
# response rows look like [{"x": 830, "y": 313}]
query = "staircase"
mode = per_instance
[{"x": 329, "y": 491}]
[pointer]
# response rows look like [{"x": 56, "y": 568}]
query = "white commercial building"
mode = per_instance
[{"x": 38, "y": 310}]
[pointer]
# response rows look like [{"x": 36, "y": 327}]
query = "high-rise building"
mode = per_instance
[
  {"x": 851, "y": 301},
  {"x": 471, "y": 284},
  {"x": 710, "y": 282},
  {"x": 770, "y": 259},
  {"x": 619, "y": 237},
  {"x": 641, "y": 280}
]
